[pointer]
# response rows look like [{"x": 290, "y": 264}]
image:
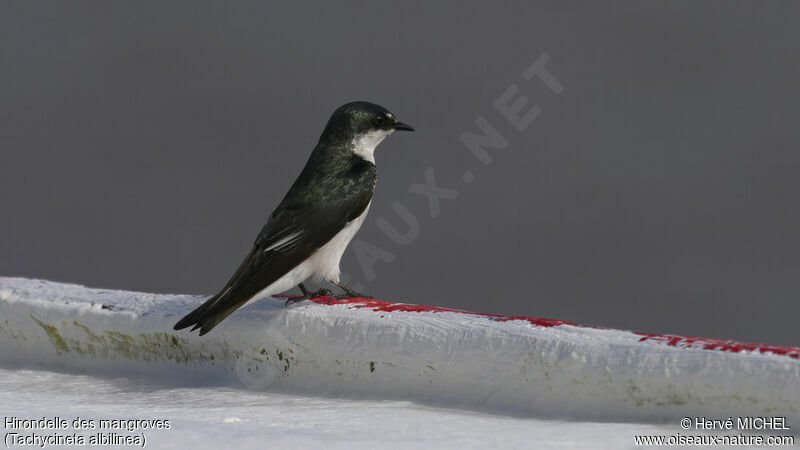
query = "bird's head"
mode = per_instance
[{"x": 364, "y": 125}]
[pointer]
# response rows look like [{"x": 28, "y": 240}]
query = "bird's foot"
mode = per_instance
[
  {"x": 322, "y": 292},
  {"x": 348, "y": 293}
]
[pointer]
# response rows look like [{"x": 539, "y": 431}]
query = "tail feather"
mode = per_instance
[
  {"x": 197, "y": 314},
  {"x": 209, "y": 314}
]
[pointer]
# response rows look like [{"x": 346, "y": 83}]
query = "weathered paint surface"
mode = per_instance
[{"x": 380, "y": 349}]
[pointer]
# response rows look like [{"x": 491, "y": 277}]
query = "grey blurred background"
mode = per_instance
[{"x": 145, "y": 143}]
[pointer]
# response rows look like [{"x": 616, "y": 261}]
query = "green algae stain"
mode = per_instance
[
  {"x": 52, "y": 332},
  {"x": 114, "y": 344},
  {"x": 88, "y": 332},
  {"x": 121, "y": 343},
  {"x": 71, "y": 336}
]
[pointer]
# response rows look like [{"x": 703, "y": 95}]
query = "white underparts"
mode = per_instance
[
  {"x": 364, "y": 144},
  {"x": 325, "y": 261},
  {"x": 322, "y": 265}
]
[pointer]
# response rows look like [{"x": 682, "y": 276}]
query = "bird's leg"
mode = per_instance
[
  {"x": 303, "y": 289},
  {"x": 349, "y": 293},
  {"x": 307, "y": 294}
]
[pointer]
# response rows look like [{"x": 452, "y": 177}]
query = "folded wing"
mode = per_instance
[{"x": 299, "y": 226}]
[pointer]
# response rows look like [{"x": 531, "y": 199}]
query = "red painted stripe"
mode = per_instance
[
  {"x": 383, "y": 305},
  {"x": 674, "y": 341},
  {"x": 720, "y": 344}
]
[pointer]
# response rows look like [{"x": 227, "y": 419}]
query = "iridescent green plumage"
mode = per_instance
[{"x": 334, "y": 188}]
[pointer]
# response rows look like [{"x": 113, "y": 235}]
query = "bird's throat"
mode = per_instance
[{"x": 364, "y": 144}]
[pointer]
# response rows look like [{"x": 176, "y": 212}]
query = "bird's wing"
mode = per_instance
[{"x": 298, "y": 227}]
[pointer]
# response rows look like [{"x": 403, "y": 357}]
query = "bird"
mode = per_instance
[{"x": 307, "y": 233}]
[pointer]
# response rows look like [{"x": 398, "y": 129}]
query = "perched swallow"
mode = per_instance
[{"x": 306, "y": 235}]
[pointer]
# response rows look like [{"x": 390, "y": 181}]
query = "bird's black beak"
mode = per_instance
[{"x": 403, "y": 127}]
